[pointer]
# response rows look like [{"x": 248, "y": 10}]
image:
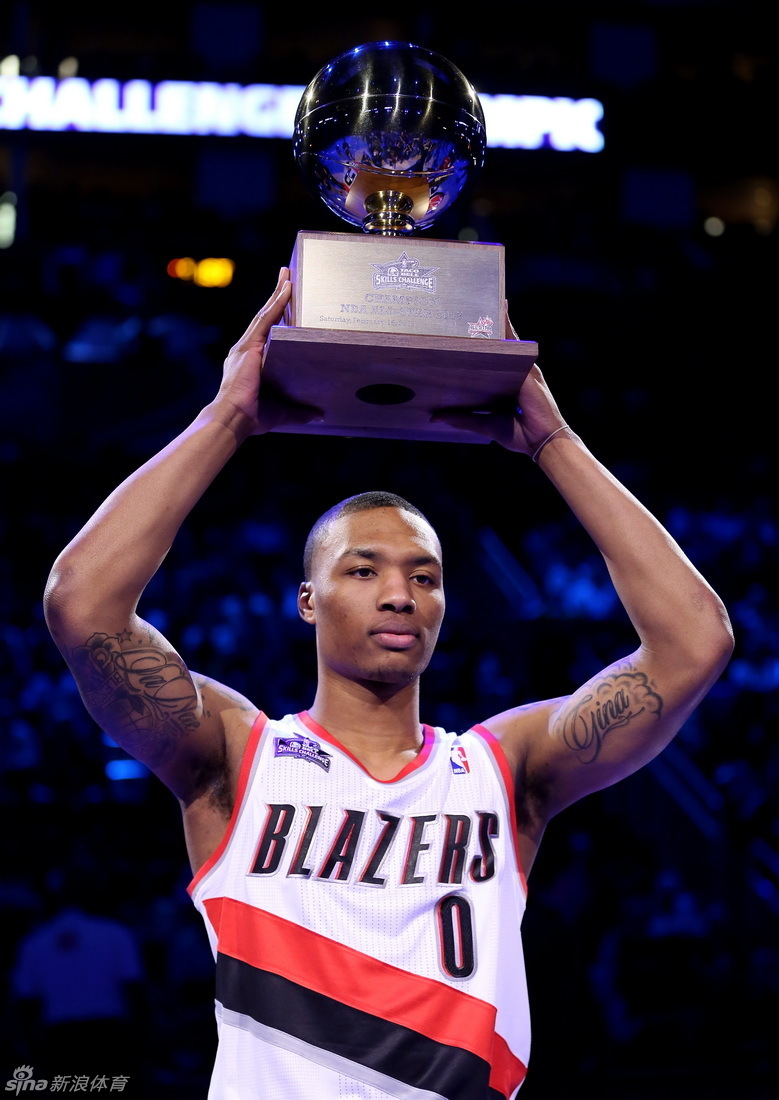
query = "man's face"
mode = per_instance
[{"x": 376, "y": 596}]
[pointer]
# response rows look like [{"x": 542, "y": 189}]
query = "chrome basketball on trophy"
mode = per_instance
[{"x": 385, "y": 325}]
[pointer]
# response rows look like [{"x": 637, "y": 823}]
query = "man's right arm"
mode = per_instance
[
  {"x": 133, "y": 682},
  {"x": 131, "y": 679}
]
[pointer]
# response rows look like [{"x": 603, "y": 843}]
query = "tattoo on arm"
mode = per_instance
[
  {"x": 612, "y": 703},
  {"x": 145, "y": 694}
]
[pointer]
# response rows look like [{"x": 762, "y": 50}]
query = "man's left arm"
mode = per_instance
[
  {"x": 627, "y": 713},
  {"x": 624, "y": 715}
]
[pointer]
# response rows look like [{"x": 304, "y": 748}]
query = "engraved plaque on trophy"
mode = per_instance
[{"x": 384, "y": 325}]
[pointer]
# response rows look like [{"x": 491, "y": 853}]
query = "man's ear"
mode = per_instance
[{"x": 306, "y": 602}]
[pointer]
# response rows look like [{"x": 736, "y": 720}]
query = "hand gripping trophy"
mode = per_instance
[{"x": 385, "y": 326}]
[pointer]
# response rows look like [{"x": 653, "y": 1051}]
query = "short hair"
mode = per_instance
[{"x": 361, "y": 502}]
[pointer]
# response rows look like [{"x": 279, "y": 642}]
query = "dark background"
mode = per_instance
[{"x": 651, "y": 927}]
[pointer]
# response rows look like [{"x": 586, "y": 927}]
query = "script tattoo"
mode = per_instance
[
  {"x": 147, "y": 696},
  {"x": 614, "y": 703}
]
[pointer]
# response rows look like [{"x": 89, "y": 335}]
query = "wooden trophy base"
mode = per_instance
[{"x": 386, "y": 386}]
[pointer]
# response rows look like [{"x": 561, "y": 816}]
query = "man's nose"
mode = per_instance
[{"x": 396, "y": 596}]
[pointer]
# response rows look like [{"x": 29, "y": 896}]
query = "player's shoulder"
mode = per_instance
[{"x": 524, "y": 721}]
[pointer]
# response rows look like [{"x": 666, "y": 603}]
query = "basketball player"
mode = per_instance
[{"x": 361, "y": 874}]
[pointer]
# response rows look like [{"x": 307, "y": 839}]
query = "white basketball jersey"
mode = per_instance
[{"x": 367, "y": 933}]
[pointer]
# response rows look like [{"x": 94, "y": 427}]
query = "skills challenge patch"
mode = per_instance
[{"x": 303, "y": 748}]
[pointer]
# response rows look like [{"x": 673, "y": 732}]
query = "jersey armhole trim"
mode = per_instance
[
  {"x": 247, "y": 760},
  {"x": 494, "y": 746}
]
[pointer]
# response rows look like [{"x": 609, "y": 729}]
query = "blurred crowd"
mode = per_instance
[{"x": 676, "y": 968}]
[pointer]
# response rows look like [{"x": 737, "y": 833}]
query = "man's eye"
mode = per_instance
[
  {"x": 362, "y": 571},
  {"x": 423, "y": 578}
]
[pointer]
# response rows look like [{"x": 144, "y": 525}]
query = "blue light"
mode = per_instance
[{"x": 125, "y": 769}]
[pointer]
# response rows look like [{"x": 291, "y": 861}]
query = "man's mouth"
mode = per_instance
[
  {"x": 395, "y": 636},
  {"x": 395, "y": 641}
]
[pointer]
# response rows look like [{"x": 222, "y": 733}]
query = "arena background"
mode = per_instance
[{"x": 647, "y": 274}]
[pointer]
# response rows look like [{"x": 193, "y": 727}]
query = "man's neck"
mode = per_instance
[{"x": 378, "y": 725}]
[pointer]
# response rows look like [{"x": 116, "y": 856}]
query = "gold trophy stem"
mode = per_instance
[{"x": 388, "y": 214}]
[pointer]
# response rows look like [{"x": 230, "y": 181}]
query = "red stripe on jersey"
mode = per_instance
[
  {"x": 431, "y": 1008},
  {"x": 507, "y": 1072}
]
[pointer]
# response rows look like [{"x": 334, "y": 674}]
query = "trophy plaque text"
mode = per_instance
[
  {"x": 390, "y": 285},
  {"x": 385, "y": 326}
]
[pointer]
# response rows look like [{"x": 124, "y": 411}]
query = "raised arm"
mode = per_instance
[
  {"x": 626, "y": 713},
  {"x": 133, "y": 682}
]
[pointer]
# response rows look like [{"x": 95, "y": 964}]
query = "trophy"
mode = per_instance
[{"x": 385, "y": 326}]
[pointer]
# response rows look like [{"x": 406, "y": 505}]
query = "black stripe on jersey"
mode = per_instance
[{"x": 391, "y": 1049}]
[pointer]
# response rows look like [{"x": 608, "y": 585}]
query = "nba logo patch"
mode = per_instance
[{"x": 458, "y": 759}]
